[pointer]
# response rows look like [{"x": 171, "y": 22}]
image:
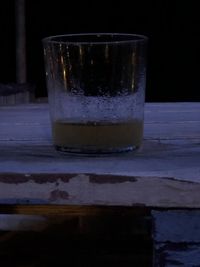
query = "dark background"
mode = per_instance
[{"x": 173, "y": 28}]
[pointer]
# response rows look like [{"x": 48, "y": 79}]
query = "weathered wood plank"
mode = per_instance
[
  {"x": 90, "y": 189},
  {"x": 172, "y": 255},
  {"x": 165, "y": 173},
  {"x": 177, "y": 226},
  {"x": 176, "y": 236},
  {"x": 167, "y": 167},
  {"x": 155, "y": 159},
  {"x": 152, "y": 131},
  {"x": 159, "y": 122}
]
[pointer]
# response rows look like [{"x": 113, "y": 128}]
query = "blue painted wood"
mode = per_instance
[
  {"x": 175, "y": 255},
  {"x": 176, "y": 226},
  {"x": 176, "y": 236}
]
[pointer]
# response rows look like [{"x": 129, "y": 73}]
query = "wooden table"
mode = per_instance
[{"x": 163, "y": 177}]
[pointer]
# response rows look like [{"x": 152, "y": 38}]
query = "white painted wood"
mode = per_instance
[
  {"x": 82, "y": 189},
  {"x": 171, "y": 149},
  {"x": 16, "y": 222}
]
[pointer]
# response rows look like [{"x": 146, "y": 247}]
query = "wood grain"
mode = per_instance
[
  {"x": 176, "y": 236},
  {"x": 166, "y": 169}
]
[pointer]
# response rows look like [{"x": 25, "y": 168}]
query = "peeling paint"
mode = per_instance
[
  {"x": 177, "y": 254},
  {"x": 87, "y": 188},
  {"x": 39, "y": 178},
  {"x": 110, "y": 179},
  {"x": 58, "y": 194}
]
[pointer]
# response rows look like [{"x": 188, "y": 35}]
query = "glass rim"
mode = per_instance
[{"x": 131, "y": 38}]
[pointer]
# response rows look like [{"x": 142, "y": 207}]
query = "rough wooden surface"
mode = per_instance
[
  {"x": 176, "y": 236},
  {"x": 165, "y": 172},
  {"x": 90, "y": 189}
]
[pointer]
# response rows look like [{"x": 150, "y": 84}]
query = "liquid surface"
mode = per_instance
[{"x": 101, "y": 136}]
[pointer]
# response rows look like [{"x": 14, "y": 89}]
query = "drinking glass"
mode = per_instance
[{"x": 96, "y": 90}]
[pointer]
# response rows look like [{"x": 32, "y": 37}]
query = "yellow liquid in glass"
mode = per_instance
[{"x": 98, "y": 136}]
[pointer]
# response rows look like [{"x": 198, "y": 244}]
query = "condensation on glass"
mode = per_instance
[{"x": 96, "y": 88}]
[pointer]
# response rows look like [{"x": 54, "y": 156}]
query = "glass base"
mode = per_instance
[{"x": 93, "y": 151}]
